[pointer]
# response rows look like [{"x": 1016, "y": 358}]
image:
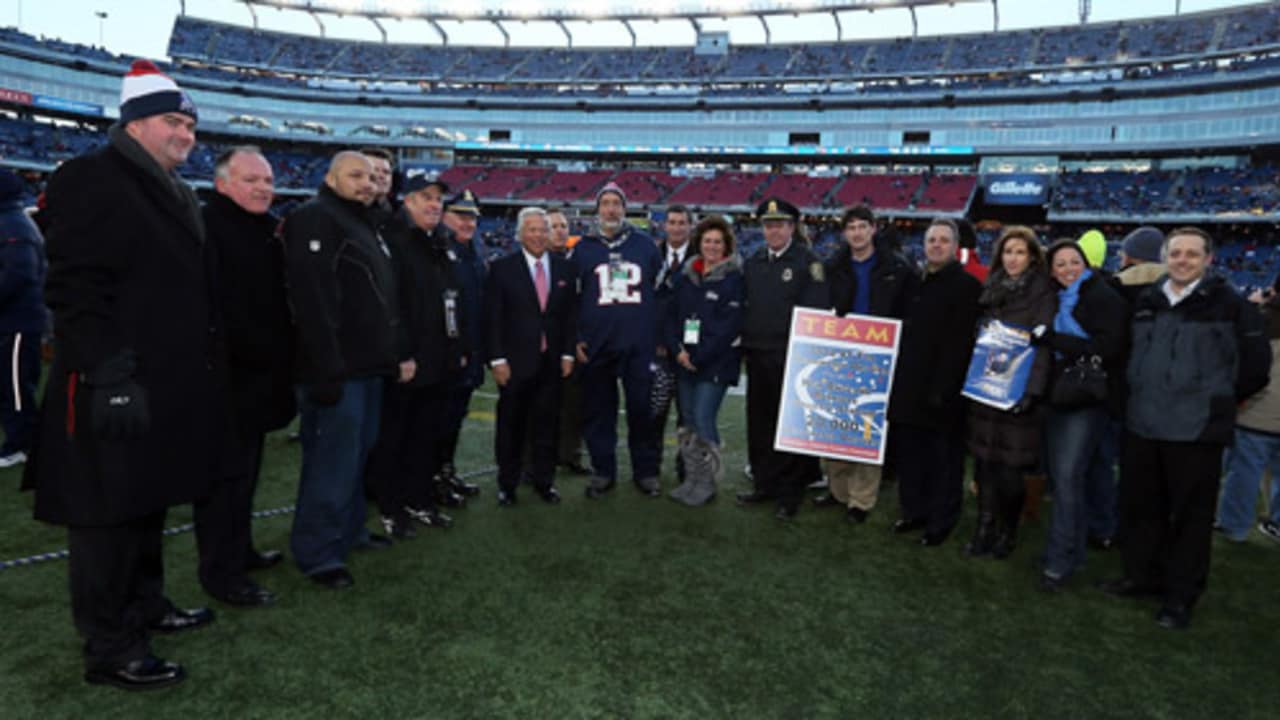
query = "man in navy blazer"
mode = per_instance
[{"x": 529, "y": 304}]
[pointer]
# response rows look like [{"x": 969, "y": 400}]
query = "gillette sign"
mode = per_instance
[{"x": 1021, "y": 189}]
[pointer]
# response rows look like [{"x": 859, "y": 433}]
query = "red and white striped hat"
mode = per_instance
[{"x": 146, "y": 91}]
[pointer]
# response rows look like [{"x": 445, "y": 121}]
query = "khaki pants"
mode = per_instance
[{"x": 853, "y": 484}]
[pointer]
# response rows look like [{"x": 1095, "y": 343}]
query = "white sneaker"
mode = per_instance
[
  {"x": 17, "y": 458},
  {"x": 1270, "y": 529}
]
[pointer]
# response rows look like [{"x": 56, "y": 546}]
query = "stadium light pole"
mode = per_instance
[{"x": 102, "y": 22}]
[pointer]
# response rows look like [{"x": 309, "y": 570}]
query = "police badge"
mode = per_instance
[
  {"x": 786, "y": 275},
  {"x": 815, "y": 271}
]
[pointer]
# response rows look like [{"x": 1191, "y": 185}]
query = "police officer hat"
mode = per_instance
[
  {"x": 775, "y": 208},
  {"x": 464, "y": 203}
]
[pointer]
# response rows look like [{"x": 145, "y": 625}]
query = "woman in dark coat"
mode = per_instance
[
  {"x": 1005, "y": 443},
  {"x": 1091, "y": 322},
  {"x": 702, "y": 335}
]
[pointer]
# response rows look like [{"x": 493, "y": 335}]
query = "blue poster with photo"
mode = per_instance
[{"x": 1001, "y": 365}]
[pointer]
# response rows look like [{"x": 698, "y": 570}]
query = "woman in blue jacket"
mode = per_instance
[{"x": 702, "y": 335}]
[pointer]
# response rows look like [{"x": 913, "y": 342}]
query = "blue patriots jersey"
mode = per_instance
[{"x": 616, "y": 282}]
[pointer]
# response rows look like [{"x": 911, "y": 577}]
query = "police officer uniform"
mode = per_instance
[{"x": 776, "y": 283}]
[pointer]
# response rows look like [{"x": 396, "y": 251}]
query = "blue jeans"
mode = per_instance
[
  {"x": 1072, "y": 437},
  {"x": 1252, "y": 454},
  {"x": 700, "y": 405},
  {"x": 1102, "y": 493},
  {"x": 336, "y": 440}
]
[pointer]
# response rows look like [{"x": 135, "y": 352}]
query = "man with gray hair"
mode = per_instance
[
  {"x": 255, "y": 310},
  {"x": 342, "y": 288},
  {"x": 530, "y": 302}
]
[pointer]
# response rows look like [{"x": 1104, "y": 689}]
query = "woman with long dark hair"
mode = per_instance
[{"x": 1005, "y": 443}]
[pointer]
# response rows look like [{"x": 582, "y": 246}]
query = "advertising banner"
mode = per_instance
[
  {"x": 1016, "y": 189},
  {"x": 835, "y": 392}
]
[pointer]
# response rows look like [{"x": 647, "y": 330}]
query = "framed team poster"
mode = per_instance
[{"x": 835, "y": 390}]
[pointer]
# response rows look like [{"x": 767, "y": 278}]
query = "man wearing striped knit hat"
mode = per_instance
[{"x": 134, "y": 410}]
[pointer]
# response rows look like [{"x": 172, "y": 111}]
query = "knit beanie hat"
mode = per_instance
[
  {"x": 146, "y": 91},
  {"x": 611, "y": 187},
  {"x": 1143, "y": 243}
]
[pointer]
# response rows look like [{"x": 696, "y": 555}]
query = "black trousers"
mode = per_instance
[
  {"x": 1168, "y": 496},
  {"x": 528, "y": 415},
  {"x": 569, "y": 438},
  {"x": 224, "y": 526},
  {"x": 664, "y": 397},
  {"x": 407, "y": 453},
  {"x": 778, "y": 474},
  {"x": 117, "y": 588},
  {"x": 930, "y": 468}
]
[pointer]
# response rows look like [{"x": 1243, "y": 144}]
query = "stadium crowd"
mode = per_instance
[{"x": 184, "y": 333}]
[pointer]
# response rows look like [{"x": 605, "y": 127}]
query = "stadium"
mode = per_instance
[{"x": 634, "y": 608}]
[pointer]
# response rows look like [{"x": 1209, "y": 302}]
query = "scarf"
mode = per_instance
[{"x": 1064, "y": 322}]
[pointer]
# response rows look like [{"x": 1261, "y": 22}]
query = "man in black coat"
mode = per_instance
[
  {"x": 865, "y": 278},
  {"x": 342, "y": 288},
  {"x": 23, "y": 319},
  {"x": 780, "y": 276},
  {"x": 405, "y": 464},
  {"x": 530, "y": 299},
  {"x": 134, "y": 409},
  {"x": 259, "y": 330},
  {"x": 925, "y": 408}
]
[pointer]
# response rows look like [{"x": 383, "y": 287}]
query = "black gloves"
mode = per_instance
[
  {"x": 1024, "y": 406},
  {"x": 325, "y": 394},
  {"x": 1042, "y": 335},
  {"x": 118, "y": 403}
]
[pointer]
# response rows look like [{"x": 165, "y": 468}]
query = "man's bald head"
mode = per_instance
[{"x": 350, "y": 176}]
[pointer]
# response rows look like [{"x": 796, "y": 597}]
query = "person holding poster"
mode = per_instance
[
  {"x": 1006, "y": 443},
  {"x": 864, "y": 279},
  {"x": 780, "y": 276},
  {"x": 926, "y": 409}
]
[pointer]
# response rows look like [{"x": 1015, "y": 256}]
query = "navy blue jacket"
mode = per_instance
[
  {"x": 471, "y": 271},
  {"x": 717, "y": 300},
  {"x": 22, "y": 271}
]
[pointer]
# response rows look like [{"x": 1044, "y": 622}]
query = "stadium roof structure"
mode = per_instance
[{"x": 596, "y": 11}]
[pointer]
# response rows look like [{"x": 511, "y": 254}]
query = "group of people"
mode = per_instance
[{"x": 185, "y": 333}]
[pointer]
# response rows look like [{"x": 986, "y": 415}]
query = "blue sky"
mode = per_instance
[{"x": 141, "y": 27}]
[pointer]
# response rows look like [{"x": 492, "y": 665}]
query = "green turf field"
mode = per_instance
[{"x": 641, "y": 608}]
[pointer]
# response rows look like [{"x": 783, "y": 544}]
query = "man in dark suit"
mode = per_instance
[
  {"x": 529, "y": 299},
  {"x": 255, "y": 310}
]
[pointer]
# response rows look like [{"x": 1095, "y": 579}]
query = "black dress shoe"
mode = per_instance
[
  {"x": 548, "y": 494},
  {"x": 1174, "y": 617},
  {"x": 1101, "y": 543},
  {"x": 177, "y": 620},
  {"x": 431, "y": 517},
  {"x": 785, "y": 511},
  {"x": 755, "y": 497},
  {"x": 855, "y": 515},
  {"x": 826, "y": 500},
  {"x": 933, "y": 539},
  {"x": 599, "y": 487},
  {"x": 1126, "y": 588},
  {"x": 248, "y": 595},
  {"x": 457, "y": 484},
  {"x": 263, "y": 560},
  {"x": 335, "y": 579},
  {"x": 148, "y": 673},
  {"x": 399, "y": 526},
  {"x": 576, "y": 468},
  {"x": 375, "y": 542},
  {"x": 506, "y": 498},
  {"x": 901, "y": 527}
]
